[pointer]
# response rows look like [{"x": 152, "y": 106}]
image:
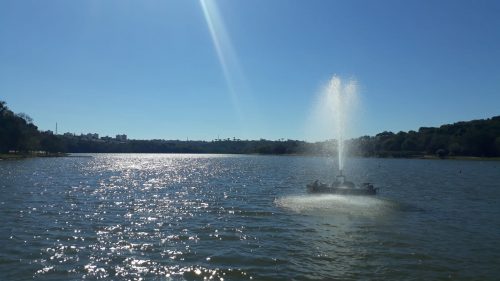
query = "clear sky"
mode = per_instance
[{"x": 246, "y": 69}]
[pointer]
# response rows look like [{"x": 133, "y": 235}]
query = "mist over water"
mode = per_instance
[{"x": 338, "y": 205}]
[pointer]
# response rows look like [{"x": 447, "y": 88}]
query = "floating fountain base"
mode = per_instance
[{"x": 342, "y": 187}]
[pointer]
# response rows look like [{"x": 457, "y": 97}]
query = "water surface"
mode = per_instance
[{"x": 194, "y": 217}]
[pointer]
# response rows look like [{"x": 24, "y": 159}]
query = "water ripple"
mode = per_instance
[{"x": 194, "y": 217}]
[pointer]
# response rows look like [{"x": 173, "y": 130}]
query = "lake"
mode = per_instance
[{"x": 234, "y": 217}]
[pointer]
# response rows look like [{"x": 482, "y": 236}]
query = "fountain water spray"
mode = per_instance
[
  {"x": 340, "y": 102},
  {"x": 336, "y": 106}
]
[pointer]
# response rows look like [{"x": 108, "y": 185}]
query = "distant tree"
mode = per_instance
[
  {"x": 497, "y": 146},
  {"x": 385, "y": 134},
  {"x": 455, "y": 148},
  {"x": 52, "y": 143},
  {"x": 3, "y": 107},
  {"x": 441, "y": 153},
  {"x": 409, "y": 144},
  {"x": 437, "y": 141},
  {"x": 25, "y": 117},
  {"x": 280, "y": 149},
  {"x": 475, "y": 138},
  {"x": 16, "y": 133}
]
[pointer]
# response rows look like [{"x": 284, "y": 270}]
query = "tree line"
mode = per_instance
[
  {"x": 472, "y": 138},
  {"x": 18, "y": 133},
  {"x": 479, "y": 138}
]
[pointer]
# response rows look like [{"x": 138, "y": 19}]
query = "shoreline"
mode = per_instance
[
  {"x": 467, "y": 158},
  {"x": 15, "y": 156}
]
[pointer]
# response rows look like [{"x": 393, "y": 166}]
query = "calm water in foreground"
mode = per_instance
[{"x": 195, "y": 217}]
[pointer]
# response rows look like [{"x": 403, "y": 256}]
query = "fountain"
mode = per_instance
[{"x": 340, "y": 100}]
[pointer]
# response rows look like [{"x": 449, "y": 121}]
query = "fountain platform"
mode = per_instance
[{"x": 341, "y": 186}]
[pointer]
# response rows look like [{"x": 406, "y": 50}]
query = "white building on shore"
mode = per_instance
[{"x": 121, "y": 137}]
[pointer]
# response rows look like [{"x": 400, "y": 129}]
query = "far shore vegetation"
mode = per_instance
[{"x": 476, "y": 139}]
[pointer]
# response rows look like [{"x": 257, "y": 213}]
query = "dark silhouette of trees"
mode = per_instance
[
  {"x": 17, "y": 131},
  {"x": 472, "y": 138}
]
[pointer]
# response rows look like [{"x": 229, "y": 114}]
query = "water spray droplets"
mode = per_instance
[{"x": 335, "y": 111}]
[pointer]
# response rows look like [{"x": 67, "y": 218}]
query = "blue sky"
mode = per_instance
[{"x": 150, "y": 69}]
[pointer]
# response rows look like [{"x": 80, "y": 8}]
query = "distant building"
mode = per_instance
[
  {"x": 106, "y": 138},
  {"x": 121, "y": 137},
  {"x": 89, "y": 136},
  {"x": 68, "y": 135}
]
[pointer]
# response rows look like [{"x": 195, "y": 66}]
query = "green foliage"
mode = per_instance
[
  {"x": 473, "y": 138},
  {"x": 17, "y": 132}
]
